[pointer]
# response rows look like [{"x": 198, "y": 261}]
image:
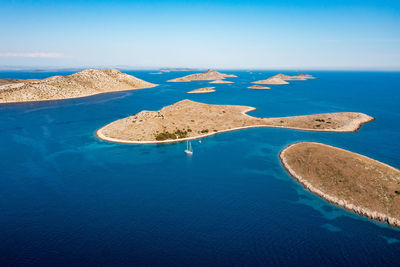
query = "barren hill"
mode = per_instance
[
  {"x": 204, "y": 76},
  {"x": 80, "y": 84},
  {"x": 187, "y": 119},
  {"x": 282, "y": 79}
]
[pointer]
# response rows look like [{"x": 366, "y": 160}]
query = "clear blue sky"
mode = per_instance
[{"x": 318, "y": 34}]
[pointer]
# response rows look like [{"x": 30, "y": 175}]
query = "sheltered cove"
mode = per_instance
[
  {"x": 187, "y": 120},
  {"x": 352, "y": 181}
]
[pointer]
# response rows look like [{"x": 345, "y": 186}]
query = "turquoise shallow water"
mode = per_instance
[{"x": 68, "y": 198}]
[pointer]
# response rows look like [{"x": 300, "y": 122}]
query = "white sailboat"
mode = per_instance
[{"x": 189, "y": 149}]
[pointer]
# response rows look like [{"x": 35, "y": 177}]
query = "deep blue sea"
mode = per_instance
[{"x": 68, "y": 198}]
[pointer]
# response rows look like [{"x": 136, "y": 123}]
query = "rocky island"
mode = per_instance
[
  {"x": 12, "y": 81},
  {"x": 189, "y": 120},
  {"x": 85, "y": 83},
  {"x": 221, "y": 81},
  {"x": 258, "y": 87},
  {"x": 355, "y": 182},
  {"x": 282, "y": 79},
  {"x": 208, "y": 75},
  {"x": 202, "y": 90}
]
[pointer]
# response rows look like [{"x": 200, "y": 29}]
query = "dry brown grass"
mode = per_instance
[
  {"x": 186, "y": 114},
  {"x": 353, "y": 181}
]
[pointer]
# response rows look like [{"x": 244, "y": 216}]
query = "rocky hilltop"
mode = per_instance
[
  {"x": 355, "y": 182},
  {"x": 188, "y": 120},
  {"x": 11, "y": 81},
  {"x": 282, "y": 79},
  {"x": 208, "y": 75},
  {"x": 80, "y": 84}
]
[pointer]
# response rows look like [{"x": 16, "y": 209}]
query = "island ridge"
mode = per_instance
[
  {"x": 85, "y": 83},
  {"x": 355, "y": 182},
  {"x": 187, "y": 119}
]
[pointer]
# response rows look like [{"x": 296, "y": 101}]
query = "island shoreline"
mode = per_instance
[
  {"x": 70, "y": 98},
  {"x": 101, "y": 136},
  {"x": 376, "y": 216}
]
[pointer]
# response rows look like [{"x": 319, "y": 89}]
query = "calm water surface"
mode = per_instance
[{"x": 68, "y": 198}]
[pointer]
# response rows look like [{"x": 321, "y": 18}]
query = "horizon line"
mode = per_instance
[{"x": 59, "y": 68}]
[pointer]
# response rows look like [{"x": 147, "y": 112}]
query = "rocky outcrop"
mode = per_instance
[{"x": 12, "y": 81}]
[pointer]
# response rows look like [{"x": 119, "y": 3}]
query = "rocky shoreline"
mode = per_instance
[{"x": 374, "y": 215}]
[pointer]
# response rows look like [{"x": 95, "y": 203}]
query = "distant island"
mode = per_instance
[
  {"x": 208, "y": 75},
  {"x": 258, "y": 87},
  {"x": 187, "y": 119},
  {"x": 282, "y": 79},
  {"x": 202, "y": 90},
  {"x": 355, "y": 182},
  {"x": 85, "y": 83},
  {"x": 221, "y": 81},
  {"x": 11, "y": 81},
  {"x": 176, "y": 69}
]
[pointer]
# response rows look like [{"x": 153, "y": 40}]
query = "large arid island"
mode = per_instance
[
  {"x": 355, "y": 182},
  {"x": 85, "y": 83},
  {"x": 208, "y": 75},
  {"x": 282, "y": 79},
  {"x": 187, "y": 119}
]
